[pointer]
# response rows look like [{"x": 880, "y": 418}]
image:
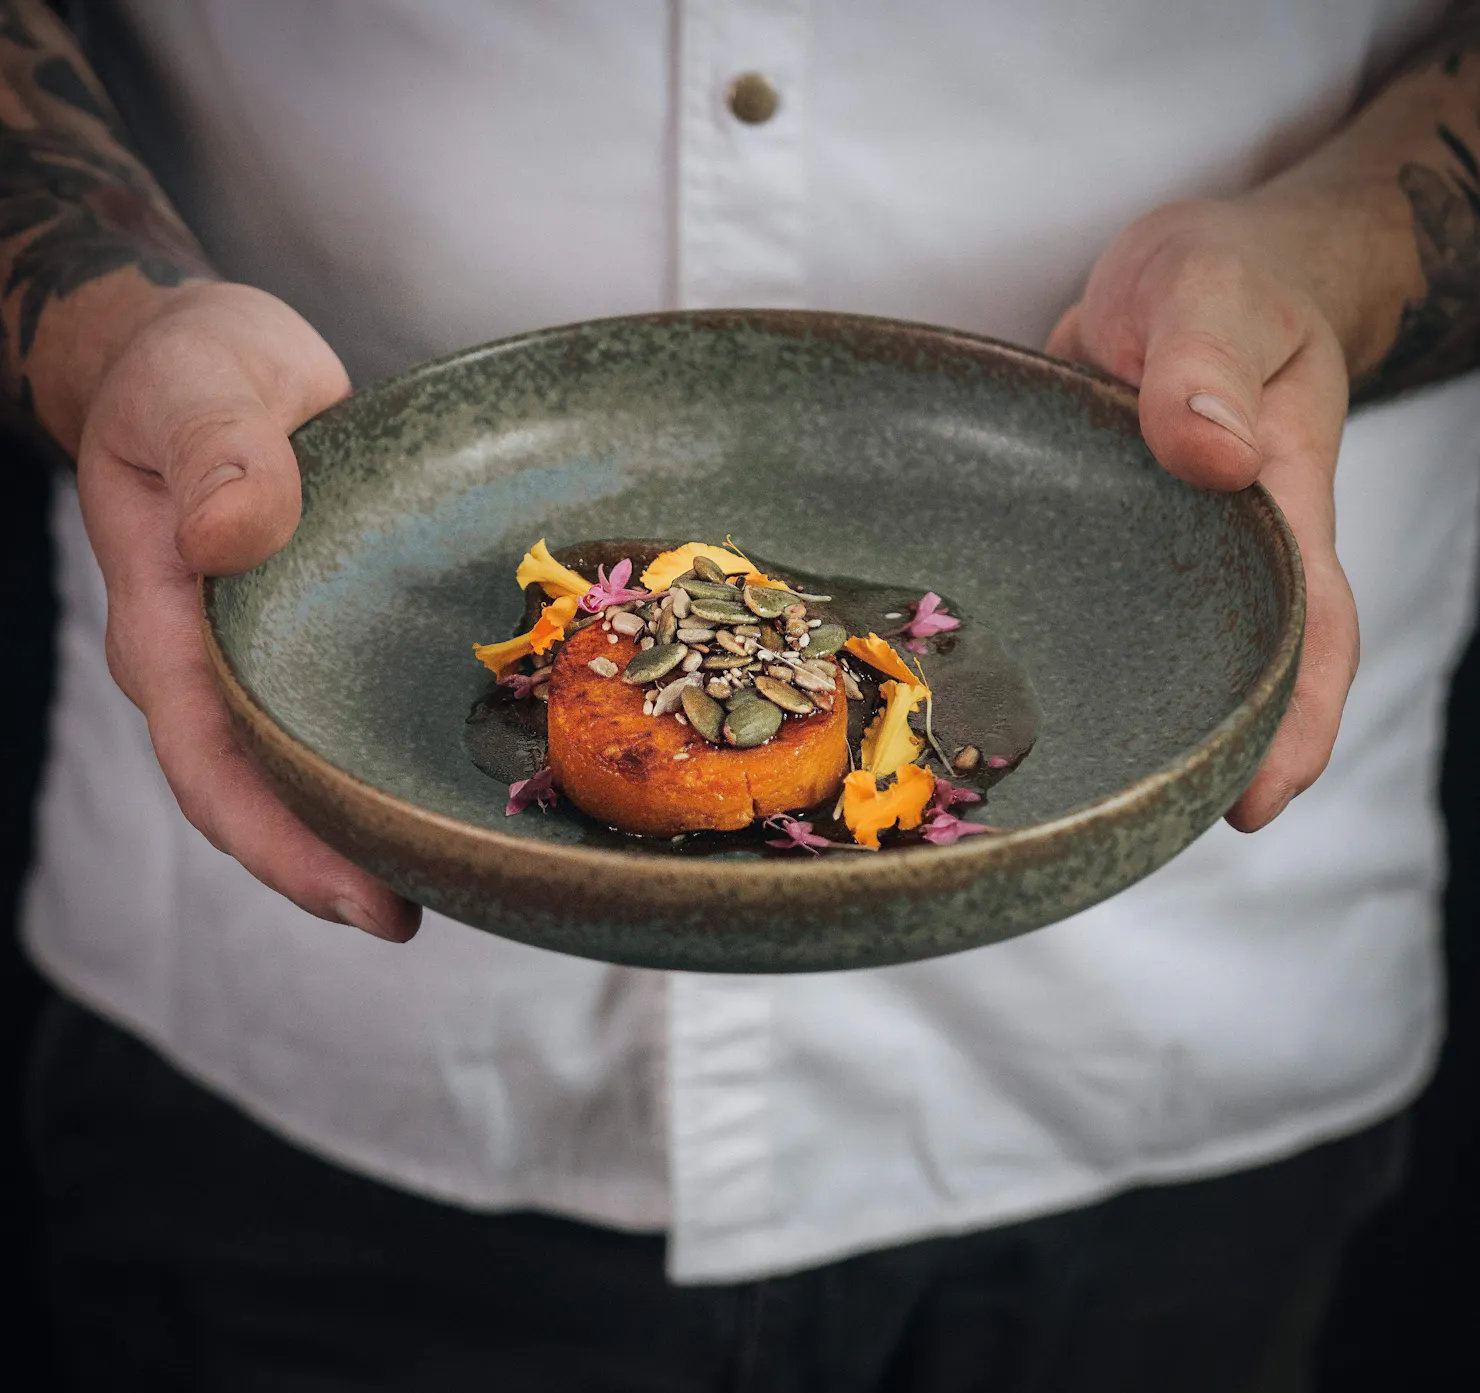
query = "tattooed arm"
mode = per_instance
[
  {"x": 176, "y": 393},
  {"x": 76, "y": 210},
  {"x": 1247, "y": 323}
]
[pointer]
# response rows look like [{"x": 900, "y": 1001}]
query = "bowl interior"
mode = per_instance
[{"x": 1142, "y": 610}]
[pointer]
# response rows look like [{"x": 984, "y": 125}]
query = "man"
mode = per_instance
[{"x": 895, "y": 1179}]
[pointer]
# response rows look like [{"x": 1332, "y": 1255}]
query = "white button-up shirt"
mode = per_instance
[{"x": 418, "y": 174}]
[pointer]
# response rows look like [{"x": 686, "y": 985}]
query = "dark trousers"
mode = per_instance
[{"x": 191, "y": 1249}]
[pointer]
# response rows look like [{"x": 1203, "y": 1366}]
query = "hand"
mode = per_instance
[
  {"x": 1242, "y": 377},
  {"x": 184, "y": 468}
]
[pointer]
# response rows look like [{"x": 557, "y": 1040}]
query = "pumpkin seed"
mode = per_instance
[
  {"x": 705, "y": 714},
  {"x": 706, "y": 590},
  {"x": 667, "y": 629},
  {"x": 784, "y": 695},
  {"x": 825, "y": 640},
  {"x": 723, "y": 662},
  {"x": 706, "y": 569},
  {"x": 743, "y": 695},
  {"x": 767, "y": 601},
  {"x": 771, "y": 641},
  {"x": 720, "y": 611},
  {"x": 751, "y": 723},
  {"x": 653, "y": 663}
]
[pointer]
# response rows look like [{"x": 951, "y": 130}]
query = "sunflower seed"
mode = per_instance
[
  {"x": 731, "y": 644},
  {"x": 720, "y": 611},
  {"x": 692, "y": 662},
  {"x": 693, "y": 634},
  {"x": 611, "y": 638},
  {"x": 644, "y": 644},
  {"x": 680, "y": 754},
  {"x": 723, "y": 662},
  {"x": 825, "y": 700},
  {"x": 751, "y": 723},
  {"x": 810, "y": 681},
  {"x": 705, "y": 714},
  {"x": 718, "y": 688},
  {"x": 967, "y": 758},
  {"x": 824, "y": 641},
  {"x": 653, "y": 663},
  {"x": 769, "y": 602},
  {"x": 894, "y": 614},
  {"x": 747, "y": 631},
  {"x": 669, "y": 698},
  {"x": 681, "y": 602},
  {"x": 783, "y": 695},
  {"x": 628, "y": 624},
  {"x": 780, "y": 672},
  {"x": 851, "y": 689},
  {"x": 706, "y": 569},
  {"x": 603, "y": 667}
]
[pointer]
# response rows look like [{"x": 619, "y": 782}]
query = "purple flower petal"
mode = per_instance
[
  {"x": 613, "y": 589},
  {"x": 998, "y": 762},
  {"x": 797, "y": 834},
  {"x": 947, "y": 795},
  {"x": 538, "y": 788},
  {"x": 929, "y": 619},
  {"x": 524, "y": 683},
  {"x": 944, "y": 829}
]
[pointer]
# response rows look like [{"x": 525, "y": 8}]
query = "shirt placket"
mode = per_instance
[
  {"x": 741, "y": 103},
  {"x": 741, "y": 164}
]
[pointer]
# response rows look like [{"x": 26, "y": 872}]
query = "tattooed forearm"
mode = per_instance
[
  {"x": 75, "y": 205},
  {"x": 1438, "y": 331}
]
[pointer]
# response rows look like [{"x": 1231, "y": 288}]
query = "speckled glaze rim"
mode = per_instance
[{"x": 424, "y": 849}]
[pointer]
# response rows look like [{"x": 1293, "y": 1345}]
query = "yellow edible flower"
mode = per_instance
[
  {"x": 557, "y": 580},
  {"x": 879, "y": 653},
  {"x": 889, "y": 742},
  {"x": 548, "y": 629},
  {"x": 868, "y": 810},
  {"x": 667, "y": 568}
]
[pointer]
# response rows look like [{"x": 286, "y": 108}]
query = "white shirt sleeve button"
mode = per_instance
[{"x": 753, "y": 99}]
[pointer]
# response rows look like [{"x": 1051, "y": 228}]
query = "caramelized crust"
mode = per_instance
[{"x": 618, "y": 765}]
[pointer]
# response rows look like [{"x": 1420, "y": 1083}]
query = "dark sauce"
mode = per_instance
[{"x": 981, "y": 698}]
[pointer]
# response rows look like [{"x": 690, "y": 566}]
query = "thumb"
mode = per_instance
[{"x": 233, "y": 479}]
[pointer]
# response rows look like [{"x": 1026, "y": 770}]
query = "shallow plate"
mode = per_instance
[{"x": 1159, "y": 625}]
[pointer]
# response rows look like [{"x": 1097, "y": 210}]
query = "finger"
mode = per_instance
[
  {"x": 1211, "y": 345},
  {"x": 1303, "y": 410},
  {"x": 157, "y": 656},
  {"x": 1066, "y": 341}
]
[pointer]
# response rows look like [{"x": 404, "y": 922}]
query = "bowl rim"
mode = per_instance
[{"x": 809, "y": 875}]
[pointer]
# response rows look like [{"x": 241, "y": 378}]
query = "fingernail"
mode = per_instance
[
  {"x": 358, "y": 917},
  {"x": 228, "y": 471},
  {"x": 1221, "y": 413}
]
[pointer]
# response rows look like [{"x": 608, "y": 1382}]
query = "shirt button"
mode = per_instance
[{"x": 752, "y": 99}]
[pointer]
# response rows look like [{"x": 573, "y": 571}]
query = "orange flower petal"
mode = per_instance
[
  {"x": 539, "y": 566},
  {"x": 665, "y": 569},
  {"x": 889, "y": 742},
  {"x": 548, "y": 629},
  {"x": 879, "y": 653},
  {"x": 868, "y": 810}
]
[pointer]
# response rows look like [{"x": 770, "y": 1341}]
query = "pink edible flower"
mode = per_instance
[
  {"x": 929, "y": 619},
  {"x": 538, "y": 788},
  {"x": 797, "y": 834},
  {"x": 611, "y": 590},
  {"x": 942, "y": 829},
  {"x": 998, "y": 762},
  {"x": 523, "y": 684},
  {"x": 947, "y": 795}
]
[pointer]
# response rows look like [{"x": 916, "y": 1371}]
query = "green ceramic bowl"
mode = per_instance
[{"x": 1159, "y": 625}]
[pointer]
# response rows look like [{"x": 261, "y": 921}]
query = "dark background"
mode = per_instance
[{"x": 1405, "y": 1312}]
